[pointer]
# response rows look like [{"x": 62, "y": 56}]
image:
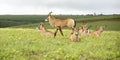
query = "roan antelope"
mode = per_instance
[
  {"x": 43, "y": 30},
  {"x": 84, "y": 30},
  {"x": 98, "y": 31},
  {"x": 59, "y": 23},
  {"x": 75, "y": 36}
]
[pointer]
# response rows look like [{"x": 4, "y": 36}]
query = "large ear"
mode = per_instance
[
  {"x": 50, "y": 13},
  {"x": 40, "y": 24},
  {"x": 81, "y": 27}
]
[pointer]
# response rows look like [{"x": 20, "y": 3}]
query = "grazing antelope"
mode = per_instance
[
  {"x": 84, "y": 30},
  {"x": 75, "y": 36},
  {"x": 43, "y": 30},
  {"x": 59, "y": 23},
  {"x": 98, "y": 31}
]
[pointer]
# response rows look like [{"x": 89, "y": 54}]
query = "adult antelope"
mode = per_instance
[
  {"x": 43, "y": 30},
  {"x": 59, "y": 23},
  {"x": 75, "y": 36},
  {"x": 98, "y": 31}
]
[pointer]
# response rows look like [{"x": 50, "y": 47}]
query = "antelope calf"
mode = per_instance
[
  {"x": 98, "y": 31},
  {"x": 84, "y": 30},
  {"x": 43, "y": 30},
  {"x": 75, "y": 35}
]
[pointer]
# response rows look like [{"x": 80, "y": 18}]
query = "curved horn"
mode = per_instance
[{"x": 50, "y": 13}]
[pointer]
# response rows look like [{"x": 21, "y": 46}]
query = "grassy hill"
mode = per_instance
[{"x": 32, "y": 21}]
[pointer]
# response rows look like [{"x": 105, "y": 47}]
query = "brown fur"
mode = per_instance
[
  {"x": 84, "y": 30},
  {"x": 59, "y": 23},
  {"x": 43, "y": 30},
  {"x": 75, "y": 36},
  {"x": 98, "y": 31}
]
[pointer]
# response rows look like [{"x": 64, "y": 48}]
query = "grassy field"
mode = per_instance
[{"x": 19, "y": 40}]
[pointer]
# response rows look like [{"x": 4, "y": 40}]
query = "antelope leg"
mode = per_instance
[
  {"x": 55, "y": 32},
  {"x": 61, "y": 31}
]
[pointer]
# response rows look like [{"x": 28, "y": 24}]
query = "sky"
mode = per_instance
[{"x": 39, "y": 7}]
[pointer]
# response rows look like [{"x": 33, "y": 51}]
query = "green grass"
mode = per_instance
[
  {"x": 29, "y": 44},
  {"x": 20, "y": 40}
]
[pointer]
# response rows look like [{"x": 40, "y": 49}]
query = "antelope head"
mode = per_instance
[
  {"x": 48, "y": 16},
  {"x": 41, "y": 25},
  {"x": 76, "y": 31}
]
